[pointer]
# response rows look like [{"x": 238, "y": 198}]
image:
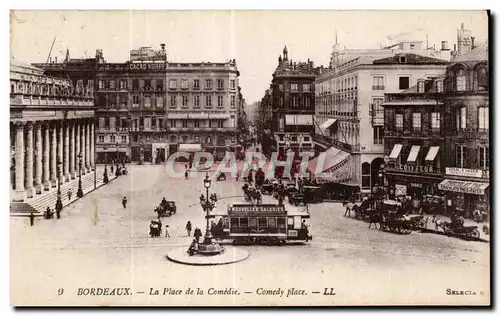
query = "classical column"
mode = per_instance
[
  {"x": 66, "y": 151},
  {"x": 29, "y": 160},
  {"x": 76, "y": 127},
  {"x": 53, "y": 156},
  {"x": 92, "y": 146},
  {"x": 20, "y": 193},
  {"x": 60, "y": 151},
  {"x": 38, "y": 158},
  {"x": 72, "y": 155},
  {"x": 87, "y": 146},
  {"x": 46, "y": 158},
  {"x": 82, "y": 148}
]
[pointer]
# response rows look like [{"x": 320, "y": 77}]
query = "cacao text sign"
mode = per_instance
[{"x": 147, "y": 66}]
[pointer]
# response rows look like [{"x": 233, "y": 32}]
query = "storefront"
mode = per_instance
[{"x": 466, "y": 195}]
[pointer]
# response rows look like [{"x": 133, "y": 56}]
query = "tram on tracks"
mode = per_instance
[{"x": 269, "y": 224}]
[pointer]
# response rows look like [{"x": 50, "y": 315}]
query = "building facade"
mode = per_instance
[
  {"x": 467, "y": 133},
  {"x": 51, "y": 124},
  {"x": 293, "y": 104},
  {"x": 148, "y": 108},
  {"x": 414, "y": 140},
  {"x": 349, "y": 97}
]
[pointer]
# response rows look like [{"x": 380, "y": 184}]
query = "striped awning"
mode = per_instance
[
  {"x": 190, "y": 147},
  {"x": 327, "y": 160},
  {"x": 396, "y": 151},
  {"x": 412, "y": 157},
  {"x": 468, "y": 187},
  {"x": 327, "y": 124},
  {"x": 431, "y": 155}
]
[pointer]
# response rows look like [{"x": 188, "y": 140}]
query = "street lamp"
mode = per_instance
[
  {"x": 117, "y": 173},
  {"x": 59, "y": 205},
  {"x": 105, "y": 177},
  {"x": 209, "y": 245},
  {"x": 79, "y": 193}
]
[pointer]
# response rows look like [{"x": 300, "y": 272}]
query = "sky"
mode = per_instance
[{"x": 254, "y": 38}]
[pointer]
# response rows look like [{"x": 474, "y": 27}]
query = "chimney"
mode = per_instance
[
  {"x": 162, "y": 46},
  {"x": 454, "y": 47},
  {"x": 472, "y": 42},
  {"x": 56, "y": 59},
  {"x": 444, "y": 45},
  {"x": 50, "y": 60}
]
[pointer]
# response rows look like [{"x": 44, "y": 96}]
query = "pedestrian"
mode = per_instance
[
  {"x": 48, "y": 213},
  {"x": 112, "y": 168},
  {"x": 124, "y": 202},
  {"x": 237, "y": 176},
  {"x": 166, "y": 231},
  {"x": 186, "y": 174},
  {"x": 69, "y": 194},
  {"x": 32, "y": 219},
  {"x": 306, "y": 229},
  {"x": 197, "y": 235},
  {"x": 188, "y": 228},
  {"x": 186, "y": 166},
  {"x": 58, "y": 213}
]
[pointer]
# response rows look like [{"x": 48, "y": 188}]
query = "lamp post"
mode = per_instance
[
  {"x": 59, "y": 205},
  {"x": 105, "y": 176},
  {"x": 117, "y": 173},
  {"x": 79, "y": 193},
  {"x": 209, "y": 245}
]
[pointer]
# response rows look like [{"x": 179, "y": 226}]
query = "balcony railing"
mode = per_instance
[
  {"x": 378, "y": 87},
  {"x": 66, "y": 101}
]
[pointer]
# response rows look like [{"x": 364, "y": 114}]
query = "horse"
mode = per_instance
[{"x": 349, "y": 206}]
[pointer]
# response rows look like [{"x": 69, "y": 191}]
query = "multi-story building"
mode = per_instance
[
  {"x": 414, "y": 140},
  {"x": 467, "y": 131},
  {"x": 148, "y": 107},
  {"x": 293, "y": 104},
  {"x": 51, "y": 125},
  {"x": 349, "y": 116}
]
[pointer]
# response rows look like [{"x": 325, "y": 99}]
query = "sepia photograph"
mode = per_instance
[{"x": 226, "y": 158}]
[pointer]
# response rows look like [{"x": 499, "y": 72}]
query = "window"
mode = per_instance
[
  {"x": 135, "y": 84},
  {"x": 220, "y": 84},
  {"x": 233, "y": 101},
  {"x": 461, "y": 80},
  {"x": 281, "y": 87},
  {"x": 399, "y": 122},
  {"x": 208, "y": 101},
  {"x": 185, "y": 101},
  {"x": 101, "y": 139},
  {"x": 459, "y": 151},
  {"x": 483, "y": 114},
  {"x": 294, "y": 101},
  {"x": 124, "y": 139},
  {"x": 378, "y": 83},
  {"x": 439, "y": 86},
  {"x": 159, "y": 84},
  {"x": 159, "y": 101},
  {"x": 482, "y": 79},
  {"x": 306, "y": 87},
  {"x": 365, "y": 175},
  {"x": 123, "y": 84},
  {"x": 153, "y": 122},
  {"x": 135, "y": 100},
  {"x": 484, "y": 157},
  {"x": 196, "y": 101},
  {"x": 112, "y": 84},
  {"x": 147, "y": 101},
  {"x": 220, "y": 101},
  {"x": 378, "y": 135},
  {"x": 252, "y": 222},
  {"x": 147, "y": 84},
  {"x": 417, "y": 122},
  {"x": 271, "y": 222},
  {"x": 172, "y": 123},
  {"x": 196, "y": 84},
  {"x": 173, "y": 101},
  {"x": 106, "y": 122},
  {"x": 220, "y": 123},
  {"x": 281, "y": 222},
  {"x": 235, "y": 222},
  {"x": 306, "y": 138},
  {"x": 196, "y": 123},
  {"x": 113, "y": 139},
  {"x": 294, "y": 87},
  {"x": 377, "y": 106},
  {"x": 435, "y": 121},
  {"x": 232, "y": 84},
  {"x": 184, "y": 123},
  {"x": 402, "y": 59},
  {"x": 420, "y": 87},
  {"x": 184, "y": 84},
  {"x": 172, "y": 84},
  {"x": 160, "y": 123},
  {"x": 462, "y": 118},
  {"x": 404, "y": 83},
  {"x": 101, "y": 84},
  {"x": 208, "y": 84},
  {"x": 262, "y": 221}
]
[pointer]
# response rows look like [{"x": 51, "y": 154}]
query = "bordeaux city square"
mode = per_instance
[{"x": 249, "y": 158}]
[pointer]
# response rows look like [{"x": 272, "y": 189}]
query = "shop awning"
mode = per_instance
[
  {"x": 468, "y": 187},
  {"x": 431, "y": 155},
  {"x": 412, "y": 157},
  {"x": 327, "y": 124},
  {"x": 341, "y": 172},
  {"x": 395, "y": 151},
  {"x": 190, "y": 147},
  {"x": 331, "y": 159}
]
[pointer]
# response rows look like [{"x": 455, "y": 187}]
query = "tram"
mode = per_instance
[{"x": 271, "y": 224}]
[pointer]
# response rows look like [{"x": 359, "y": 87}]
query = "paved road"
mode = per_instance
[{"x": 113, "y": 249}]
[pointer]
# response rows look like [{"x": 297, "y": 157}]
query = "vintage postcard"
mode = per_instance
[{"x": 249, "y": 158}]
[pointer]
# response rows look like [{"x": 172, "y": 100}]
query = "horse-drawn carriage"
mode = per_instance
[
  {"x": 460, "y": 230},
  {"x": 155, "y": 229},
  {"x": 252, "y": 194},
  {"x": 166, "y": 209},
  {"x": 221, "y": 177}
]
